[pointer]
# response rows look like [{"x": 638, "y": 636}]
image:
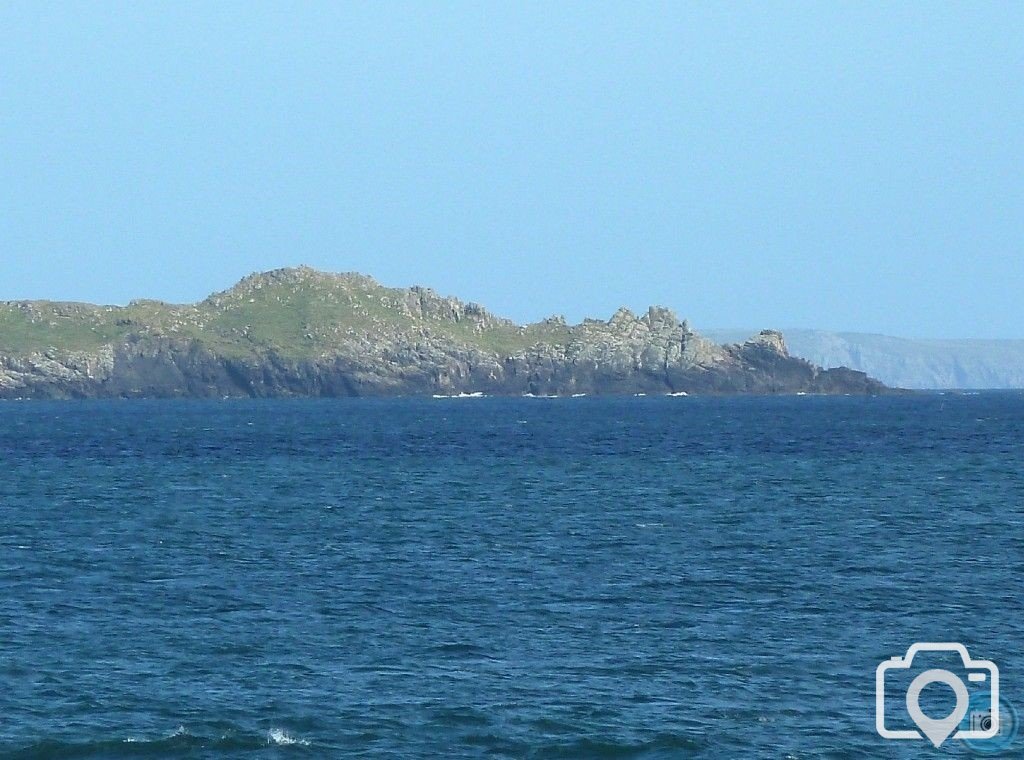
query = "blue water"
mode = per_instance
[{"x": 529, "y": 578}]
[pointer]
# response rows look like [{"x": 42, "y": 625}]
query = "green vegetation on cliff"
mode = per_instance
[{"x": 299, "y": 313}]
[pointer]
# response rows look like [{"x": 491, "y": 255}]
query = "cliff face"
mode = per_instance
[{"x": 298, "y": 332}]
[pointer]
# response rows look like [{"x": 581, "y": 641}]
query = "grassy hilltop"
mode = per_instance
[{"x": 301, "y": 313}]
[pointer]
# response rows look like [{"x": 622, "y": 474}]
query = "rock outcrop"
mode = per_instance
[
  {"x": 298, "y": 332},
  {"x": 910, "y": 363}
]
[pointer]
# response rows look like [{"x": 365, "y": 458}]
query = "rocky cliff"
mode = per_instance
[{"x": 299, "y": 332}]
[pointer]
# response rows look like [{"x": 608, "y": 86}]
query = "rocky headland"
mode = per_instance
[{"x": 300, "y": 332}]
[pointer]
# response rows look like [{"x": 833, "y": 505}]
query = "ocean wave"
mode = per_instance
[{"x": 176, "y": 744}]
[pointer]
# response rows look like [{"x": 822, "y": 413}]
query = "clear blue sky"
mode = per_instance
[{"x": 841, "y": 165}]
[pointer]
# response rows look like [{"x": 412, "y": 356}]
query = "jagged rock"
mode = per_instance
[{"x": 770, "y": 339}]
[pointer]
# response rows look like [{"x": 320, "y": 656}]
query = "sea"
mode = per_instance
[{"x": 639, "y": 577}]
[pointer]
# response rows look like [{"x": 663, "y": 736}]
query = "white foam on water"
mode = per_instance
[
  {"x": 283, "y": 739},
  {"x": 678, "y": 393}
]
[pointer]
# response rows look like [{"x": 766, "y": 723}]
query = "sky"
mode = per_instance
[{"x": 842, "y": 166}]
